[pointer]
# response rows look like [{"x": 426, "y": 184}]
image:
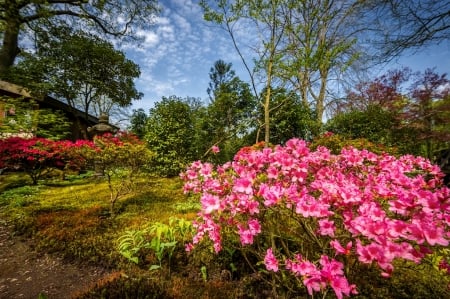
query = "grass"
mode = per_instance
[{"x": 71, "y": 217}]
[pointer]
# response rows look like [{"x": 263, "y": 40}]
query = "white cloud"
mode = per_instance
[
  {"x": 150, "y": 38},
  {"x": 177, "y": 54}
]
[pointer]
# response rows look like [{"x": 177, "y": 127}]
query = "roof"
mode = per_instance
[{"x": 13, "y": 90}]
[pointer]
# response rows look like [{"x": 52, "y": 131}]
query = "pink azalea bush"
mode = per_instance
[{"x": 313, "y": 213}]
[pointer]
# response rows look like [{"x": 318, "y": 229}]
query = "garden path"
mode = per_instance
[{"x": 25, "y": 273}]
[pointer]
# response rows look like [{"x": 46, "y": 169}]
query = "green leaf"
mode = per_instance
[{"x": 154, "y": 267}]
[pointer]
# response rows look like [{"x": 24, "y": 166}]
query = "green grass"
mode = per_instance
[{"x": 72, "y": 217}]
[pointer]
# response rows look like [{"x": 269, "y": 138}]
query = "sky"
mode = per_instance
[{"x": 177, "y": 54}]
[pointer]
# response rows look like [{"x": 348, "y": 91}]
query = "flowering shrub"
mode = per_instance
[
  {"x": 37, "y": 155},
  {"x": 313, "y": 213}
]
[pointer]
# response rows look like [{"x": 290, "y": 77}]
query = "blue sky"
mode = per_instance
[
  {"x": 175, "y": 58},
  {"x": 177, "y": 54}
]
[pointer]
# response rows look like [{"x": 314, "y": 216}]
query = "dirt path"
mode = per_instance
[{"x": 25, "y": 273}]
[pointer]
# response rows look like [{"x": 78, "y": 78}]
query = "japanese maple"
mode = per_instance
[{"x": 37, "y": 155}]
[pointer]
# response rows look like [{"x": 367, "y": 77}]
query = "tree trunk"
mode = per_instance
[{"x": 10, "y": 45}]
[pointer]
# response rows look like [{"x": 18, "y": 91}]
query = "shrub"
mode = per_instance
[
  {"x": 36, "y": 156},
  {"x": 315, "y": 214},
  {"x": 120, "y": 158}
]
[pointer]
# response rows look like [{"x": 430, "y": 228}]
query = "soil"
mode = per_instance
[{"x": 25, "y": 273}]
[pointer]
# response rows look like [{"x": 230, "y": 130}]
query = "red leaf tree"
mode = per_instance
[{"x": 36, "y": 156}]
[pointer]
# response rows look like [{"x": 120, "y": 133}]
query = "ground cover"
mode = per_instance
[{"x": 58, "y": 240}]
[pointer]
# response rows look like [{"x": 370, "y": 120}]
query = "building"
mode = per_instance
[{"x": 73, "y": 115}]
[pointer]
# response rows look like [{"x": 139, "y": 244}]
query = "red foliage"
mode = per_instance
[
  {"x": 384, "y": 91},
  {"x": 36, "y": 155}
]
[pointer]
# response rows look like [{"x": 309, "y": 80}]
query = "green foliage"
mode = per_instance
[
  {"x": 101, "y": 17},
  {"x": 374, "y": 124},
  {"x": 160, "y": 238},
  {"x": 96, "y": 76},
  {"x": 22, "y": 116},
  {"x": 378, "y": 125},
  {"x": 19, "y": 197},
  {"x": 130, "y": 243},
  {"x": 335, "y": 143},
  {"x": 187, "y": 206},
  {"x": 230, "y": 114},
  {"x": 120, "y": 159},
  {"x": 137, "y": 122},
  {"x": 170, "y": 135},
  {"x": 289, "y": 118}
]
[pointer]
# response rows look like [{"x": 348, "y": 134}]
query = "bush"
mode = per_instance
[{"x": 314, "y": 215}]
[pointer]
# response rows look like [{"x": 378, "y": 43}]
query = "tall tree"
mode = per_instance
[
  {"x": 220, "y": 73},
  {"x": 229, "y": 112},
  {"x": 138, "y": 122},
  {"x": 111, "y": 17},
  {"x": 303, "y": 45},
  {"x": 264, "y": 17},
  {"x": 321, "y": 46},
  {"x": 427, "y": 111},
  {"x": 81, "y": 69}
]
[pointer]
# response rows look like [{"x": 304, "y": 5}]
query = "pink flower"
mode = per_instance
[
  {"x": 215, "y": 149},
  {"x": 339, "y": 249},
  {"x": 396, "y": 206},
  {"x": 246, "y": 235},
  {"x": 188, "y": 247},
  {"x": 243, "y": 185},
  {"x": 270, "y": 261},
  {"x": 210, "y": 203},
  {"x": 326, "y": 227},
  {"x": 254, "y": 226}
]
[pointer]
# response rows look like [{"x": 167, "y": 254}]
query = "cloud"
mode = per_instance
[{"x": 178, "y": 52}]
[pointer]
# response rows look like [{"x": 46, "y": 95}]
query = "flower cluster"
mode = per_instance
[{"x": 381, "y": 207}]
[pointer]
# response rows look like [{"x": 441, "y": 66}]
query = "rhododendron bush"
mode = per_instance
[{"x": 313, "y": 214}]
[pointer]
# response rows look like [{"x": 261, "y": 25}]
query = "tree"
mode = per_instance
[
  {"x": 428, "y": 110},
  {"x": 138, "y": 122},
  {"x": 302, "y": 44},
  {"x": 290, "y": 118},
  {"x": 81, "y": 69},
  {"x": 111, "y": 17},
  {"x": 36, "y": 156},
  {"x": 394, "y": 110},
  {"x": 169, "y": 134},
  {"x": 121, "y": 157},
  {"x": 321, "y": 46},
  {"x": 230, "y": 112},
  {"x": 219, "y": 74},
  {"x": 262, "y": 15}
]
